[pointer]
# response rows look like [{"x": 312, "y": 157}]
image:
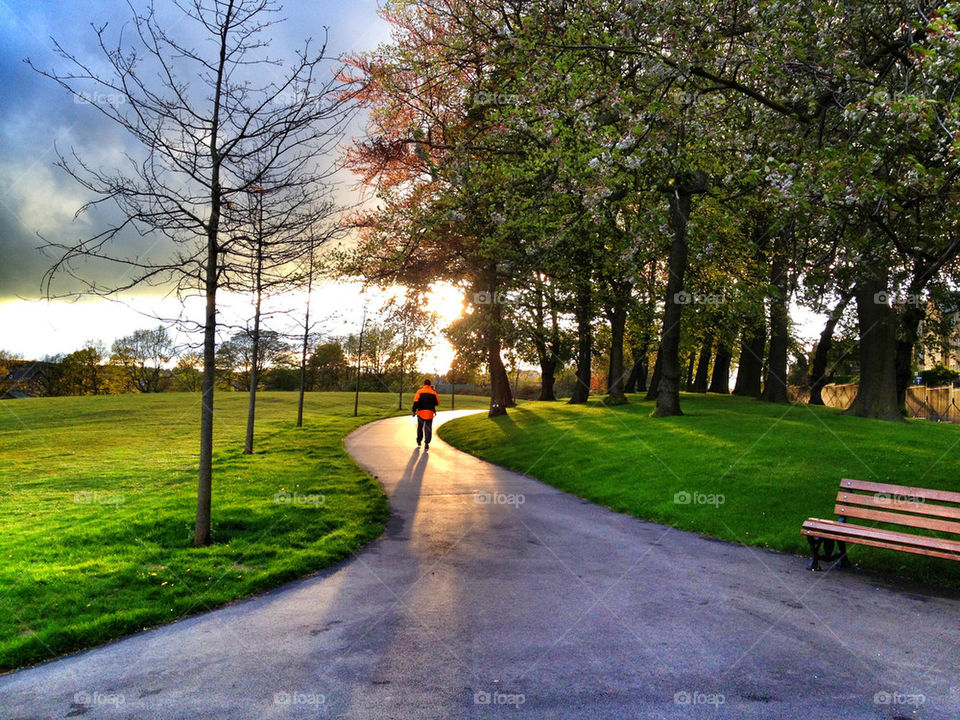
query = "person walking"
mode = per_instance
[{"x": 425, "y": 403}]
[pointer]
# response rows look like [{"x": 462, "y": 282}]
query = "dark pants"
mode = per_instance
[{"x": 424, "y": 429}]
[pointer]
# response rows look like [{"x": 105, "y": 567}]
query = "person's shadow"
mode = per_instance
[{"x": 406, "y": 494}]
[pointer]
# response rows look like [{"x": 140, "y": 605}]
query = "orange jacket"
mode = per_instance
[{"x": 425, "y": 402}]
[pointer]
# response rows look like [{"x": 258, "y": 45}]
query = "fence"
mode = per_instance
[
  {"x": 938, "y": 404},
  {"x": 839, "y": 396}
]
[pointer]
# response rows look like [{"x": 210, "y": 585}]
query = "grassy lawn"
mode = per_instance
[
  {"x": 751, "y": 472},
  {"x": 98, "y": 496}
]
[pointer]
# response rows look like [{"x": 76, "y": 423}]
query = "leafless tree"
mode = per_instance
[{"x": 199, "y": 114}]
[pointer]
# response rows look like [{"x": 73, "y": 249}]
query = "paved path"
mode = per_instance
[{"x": 553, "y": 608}]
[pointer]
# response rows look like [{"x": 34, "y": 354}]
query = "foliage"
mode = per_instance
[
  {"x": 939, "y": 376},
  {"x": 142, "y": 356}
]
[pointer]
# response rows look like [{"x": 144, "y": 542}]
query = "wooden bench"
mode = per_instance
[{"x": 910, "y": 507}]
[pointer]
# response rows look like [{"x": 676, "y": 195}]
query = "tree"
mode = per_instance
[
  {"x": 414, "y": 327},
  {"x": 236, "y": 357},
  {"x": 142, "y": 355},
  {"x": 188, "y": 372},
  {"x": 8, "y": 362},
  {"x": 199, "y": 113},
  {"x": 286, "y": 217},
  {"x": 83, "y": 372},
  {"x": 436, "y": 161},
  {"x": 327, "y": 367}
]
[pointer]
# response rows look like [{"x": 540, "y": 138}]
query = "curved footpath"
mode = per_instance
[{"x": 492, "y": 595}]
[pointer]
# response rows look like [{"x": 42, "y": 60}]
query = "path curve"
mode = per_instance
[{"x": 492, "y": 595}]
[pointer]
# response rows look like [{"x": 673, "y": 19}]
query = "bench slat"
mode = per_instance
[
  {"x": 926, "y": 493},
  {"x": 917, "y": 521},
  {"x": 815, "y": 526},
  {"x": 892, "y": 503},
  {"x": 888, "y": 546}
]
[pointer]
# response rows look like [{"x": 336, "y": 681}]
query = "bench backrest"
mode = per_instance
[{"x": 937, "y": 510}]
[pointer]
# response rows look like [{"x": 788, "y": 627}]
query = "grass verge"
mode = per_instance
[
  {"x": 731, "y": 468},
  {"x": 98, "y": 496}
]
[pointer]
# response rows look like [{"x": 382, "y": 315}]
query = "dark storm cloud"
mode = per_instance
[{"x": 39, "y": 118}]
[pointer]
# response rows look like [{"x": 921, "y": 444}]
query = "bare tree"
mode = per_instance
[
  {"x": 200, "y": 114},
  {"x": 288, "y": 215}
]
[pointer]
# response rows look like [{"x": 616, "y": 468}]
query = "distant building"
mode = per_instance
[
  {"x": 939, "y": 340},
  {"x": 24, "y": 381}
]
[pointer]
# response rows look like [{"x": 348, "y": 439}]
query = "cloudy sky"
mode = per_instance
[{"x": 37, "y": 117}]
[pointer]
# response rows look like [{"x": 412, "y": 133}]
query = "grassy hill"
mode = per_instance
[
  {"x": 98, "y": 495},
  {"x": 731, "y": 468}
]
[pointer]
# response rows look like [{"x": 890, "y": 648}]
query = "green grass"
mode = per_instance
[
  {"x": 774, "y": 465},
  {"x": 98, "y": 496}
]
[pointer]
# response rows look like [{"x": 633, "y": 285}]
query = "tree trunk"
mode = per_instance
[
  {"x": 500, "y": 396},
  {"x": 910, "y": 320},
  {"x": 201, "y": 531},
  {"x": 818, "y": 371},
  {"x": 255, "y": 353},
  {"x": 616, "y": 379},
  {"x": 877, "y": 393},
  {"x": 703, "y": 368},
  {"x": 750, "y": 367},
  {"x": 306, "y": 340},
  {"x": 637, "y": 382},
  {"x": 775, "y": 385},
  {"x": 691, "y": 368},
  {"x": 654, "y": 387},
  {"x": 403, "y": 355},
  {"x": 668, "y": 393},
  {"x": 303, "y": 365},
  {"x": 720, "y": 380},
  {"x": 915, "y": 312},
  {"x": 584, "y": 313},
  {"x": 546, "y": 354},
  {"x": 547, "y": 378}
]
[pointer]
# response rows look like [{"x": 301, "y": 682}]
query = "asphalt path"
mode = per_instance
[{"x": 491, "y": 595}]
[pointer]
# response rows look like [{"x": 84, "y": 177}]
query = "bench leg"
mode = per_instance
[
  {"x": 844, "y": 563},
  {"x": 828, "y": 554},
  {"x": 814, "y": 563}
]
